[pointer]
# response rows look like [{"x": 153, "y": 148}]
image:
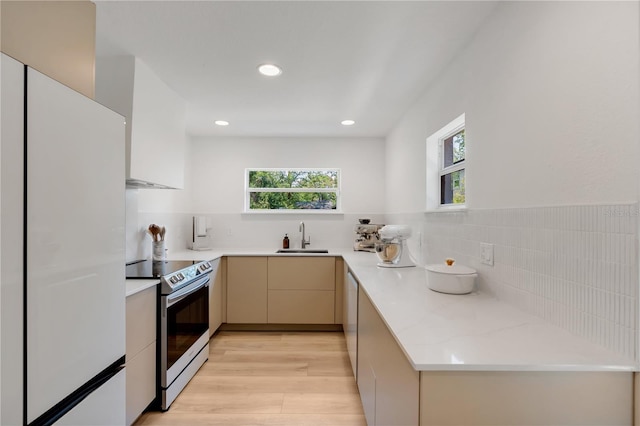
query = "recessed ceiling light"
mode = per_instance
[
  {"x": 347, "y": 122},
  {"x": 270, "y": 70},
  {"x": 221, "y": 122}
]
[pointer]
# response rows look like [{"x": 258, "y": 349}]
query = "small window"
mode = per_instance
[
  {"x": 286, "y": 190},
  {"x": 446, "y": 166},
  {"x": 452, "y": 153}
]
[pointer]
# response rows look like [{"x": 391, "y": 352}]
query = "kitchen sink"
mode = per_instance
[{"x": 309, "y": 251}]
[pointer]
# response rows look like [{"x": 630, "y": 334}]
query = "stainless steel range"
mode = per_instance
[{"x": 183, "y": 321}]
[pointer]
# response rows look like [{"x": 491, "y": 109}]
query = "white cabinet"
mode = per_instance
[
  {"x": 155, "y": 136},
  {"x": 141, "y": 352}
]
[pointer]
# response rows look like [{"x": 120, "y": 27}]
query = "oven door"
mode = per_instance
[{"x": 184, "y": 328}]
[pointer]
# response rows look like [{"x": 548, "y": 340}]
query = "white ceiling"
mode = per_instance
[{"x": 363, "y": 60}]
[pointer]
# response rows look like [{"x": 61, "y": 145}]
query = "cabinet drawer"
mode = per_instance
[
  {"x": 301, "y": 307},
  {"x": 141, "y": 320},
  {"x": 302, "y": 273}
]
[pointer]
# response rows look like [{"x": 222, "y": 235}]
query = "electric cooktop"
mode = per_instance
[{"x": 153, "y": 269}]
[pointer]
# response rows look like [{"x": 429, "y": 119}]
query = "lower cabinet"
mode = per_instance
[
  {"x": 389, "y": 386},
  {"x": 544, "y": 398},
  {"x": 247, "y": 290},
  {"x": 301, "y": 290},
  {"x": 350, "y": 317},
  {"x": 215, "y": 296},
  {"x": 393, "y": 393},
  {"x": 141, "y": 382},
  {"x": 140, "y": 352},
  {"x": 282, "y": 290}
]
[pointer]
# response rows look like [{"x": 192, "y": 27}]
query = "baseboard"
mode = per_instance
[{"x": 280, "y": 327}]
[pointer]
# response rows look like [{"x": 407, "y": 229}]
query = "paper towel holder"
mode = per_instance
[{"x": 199, "y": 236}]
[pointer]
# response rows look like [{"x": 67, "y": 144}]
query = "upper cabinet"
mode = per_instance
[
  {"x": 155, "y": 141},
  {"x": 57, "y": 38}
]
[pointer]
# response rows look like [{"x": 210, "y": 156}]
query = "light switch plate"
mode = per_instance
[{"x": 486, "y": 253}]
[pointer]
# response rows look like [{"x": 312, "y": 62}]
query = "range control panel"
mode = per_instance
[{"x": 178, "y": 279}]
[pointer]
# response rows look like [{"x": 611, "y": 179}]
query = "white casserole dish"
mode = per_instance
[{"x": 454, "y": 279}]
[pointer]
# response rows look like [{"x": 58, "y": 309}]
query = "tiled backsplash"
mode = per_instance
[{"x": 576, "y": 266}]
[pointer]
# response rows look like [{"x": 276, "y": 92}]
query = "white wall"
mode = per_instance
[
  {"x": 219, "y": 165},
  {"x": 214, "y": 187},
  {"x": 551, "y": 97},
  {"x": 550, "y": 92}
]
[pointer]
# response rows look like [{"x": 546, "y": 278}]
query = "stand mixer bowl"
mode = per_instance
[{"x": 388, "y": 252}]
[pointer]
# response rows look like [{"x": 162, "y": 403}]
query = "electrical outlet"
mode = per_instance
[{"x": 486, "y": 253}]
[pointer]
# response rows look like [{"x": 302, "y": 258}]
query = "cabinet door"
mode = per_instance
[
  {"x": 301, "y": 306},
  {"x": 141, "y": 352},
  {"x": 141, "y": 382},
  {"x": 350, "y": 318},
  {"x": 389, "y": 386},
  {"x": 215, "y": 297},
  {"x": 366, "y": 377},
  {"x": 247, "y": 290},
  {"x": 141, "y": 320}
]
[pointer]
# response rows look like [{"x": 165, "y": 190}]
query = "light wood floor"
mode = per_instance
[{"x": 269, "y": 378}]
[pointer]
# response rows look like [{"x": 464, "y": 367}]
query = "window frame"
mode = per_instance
[
  {"x": 435, "y": 165},
  {"x": 248, "y": 190},
  {"x": 454, "y": 167}
]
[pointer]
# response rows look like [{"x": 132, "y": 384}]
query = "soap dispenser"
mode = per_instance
[{"x": 285, "y": 242}]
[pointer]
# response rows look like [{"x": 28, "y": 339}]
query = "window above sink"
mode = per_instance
[{"x": 282, "y": 190}]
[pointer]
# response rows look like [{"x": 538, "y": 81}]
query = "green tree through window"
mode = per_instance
[{"x": 293, "y": 189}]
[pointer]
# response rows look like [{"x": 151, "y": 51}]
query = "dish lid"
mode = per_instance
[{"x": 453, "y": 269}]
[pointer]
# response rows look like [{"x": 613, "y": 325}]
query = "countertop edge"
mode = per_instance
[{"x": 134, "y": 286}]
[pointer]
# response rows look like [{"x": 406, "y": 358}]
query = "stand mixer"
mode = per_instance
[
  {"x": 392, "y": 249},
  {"x": 367, "y": 237}
]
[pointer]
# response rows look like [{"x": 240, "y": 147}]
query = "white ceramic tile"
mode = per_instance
[{"x": 581, "y": 257}]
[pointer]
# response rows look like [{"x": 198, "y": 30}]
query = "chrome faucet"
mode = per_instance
[{"x": 306, "y": 242}]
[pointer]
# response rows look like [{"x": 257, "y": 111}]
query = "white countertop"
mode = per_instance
[
  {"x": 134, "y": 286},
  {"x": 216, "y": 253},
  {"x": 471, "y": 332},
  {"x": 456, "y": 332}
]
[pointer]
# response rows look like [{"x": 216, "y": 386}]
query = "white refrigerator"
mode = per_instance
[{"x": 62, "y": 288}]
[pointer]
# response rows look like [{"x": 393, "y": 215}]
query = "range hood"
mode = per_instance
[
  {"x": 155, "y": 135},
  {"x": 141, "y": 184}
]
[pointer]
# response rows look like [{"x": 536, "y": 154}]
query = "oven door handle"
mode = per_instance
[{"x": 174, "y": 298}]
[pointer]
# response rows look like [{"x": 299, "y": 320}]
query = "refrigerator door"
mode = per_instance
[
  {"x": 75, "y": 285},
  {"x": 101, "y": 408},
  {"x": 11, "y": 226}
]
